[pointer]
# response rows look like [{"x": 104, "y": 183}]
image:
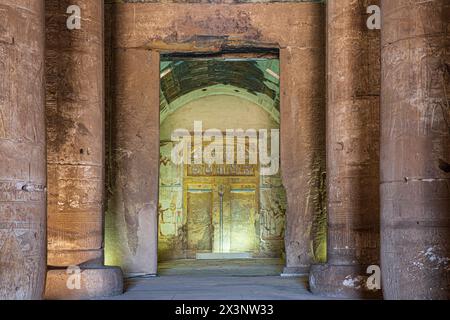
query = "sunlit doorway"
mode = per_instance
[{"x": 229, "y": 216}]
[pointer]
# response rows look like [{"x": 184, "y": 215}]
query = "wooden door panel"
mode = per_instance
[
  {"x": 199, "y": 224},
  {"x": 242, "y": 220}
]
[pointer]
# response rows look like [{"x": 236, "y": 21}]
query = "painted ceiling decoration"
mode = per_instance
[{"x": 183, "y": 81}]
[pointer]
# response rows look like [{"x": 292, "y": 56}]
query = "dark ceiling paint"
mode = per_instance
[{"x": 190, "y": 75}]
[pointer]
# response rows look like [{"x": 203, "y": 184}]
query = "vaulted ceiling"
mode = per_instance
[{"x": 184, "y": 80}]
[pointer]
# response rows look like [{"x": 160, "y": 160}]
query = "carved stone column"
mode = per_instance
[
  {"x": 302, "y": 141},
  {"x": 352, "y": 152},
  {"x": 22, "y": 150},
  {"x": 132, "y": 220},
  {"x": 75, "y": 119},
  {"x": 415, "y": 149}
]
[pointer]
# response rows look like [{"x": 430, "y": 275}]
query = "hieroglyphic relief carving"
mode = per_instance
[{"x": 22, "y": 151}]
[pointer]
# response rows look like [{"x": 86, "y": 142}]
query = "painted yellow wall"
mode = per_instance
[{"x": 216, "y": 112}]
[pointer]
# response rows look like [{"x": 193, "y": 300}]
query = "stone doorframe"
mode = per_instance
[{"x": 144, "y": 30}]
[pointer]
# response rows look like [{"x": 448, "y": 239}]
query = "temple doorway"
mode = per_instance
[{"x": 221, "y": 202}]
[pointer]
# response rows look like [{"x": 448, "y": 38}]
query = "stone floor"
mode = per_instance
[
  {"x": 240, "y": 267},
  {"x": 257, "y": 279}
]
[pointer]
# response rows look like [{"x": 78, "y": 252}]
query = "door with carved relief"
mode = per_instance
[
  {"x": 222, "y": 211},
  {"x": 199, "y": 219},
  {"x": 243, "y": 231}
]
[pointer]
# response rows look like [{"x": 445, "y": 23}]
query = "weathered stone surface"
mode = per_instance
[
  {"x": 132, "y": 210},
  {"x": 352, "y": 151},
  {"x": 73, "y": 257},
  {"x": 132, "y": 221},
  {"x": 203, "y": 27},
  {"x": 341, "y": 281},
  {"x": 22, "y": 150},
  {"x": 75, "y": 133},
  {"x": 93, "y": 283},
  {"x": 302, "y": 147},
  {"x": 75, "y": 149},
  {"x": 415, "y": 149}
]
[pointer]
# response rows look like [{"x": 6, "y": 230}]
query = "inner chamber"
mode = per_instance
[{"x": 226, "y": 211}]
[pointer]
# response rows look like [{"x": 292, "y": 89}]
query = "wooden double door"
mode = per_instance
[{"x": 222, "y": 215}]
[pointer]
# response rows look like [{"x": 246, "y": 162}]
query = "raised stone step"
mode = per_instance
[{"x": 223, "y": 256}]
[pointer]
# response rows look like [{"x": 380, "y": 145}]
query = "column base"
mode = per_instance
[
  {"x": 63, "y": 284},
  {"x": 341, "y": 281}
]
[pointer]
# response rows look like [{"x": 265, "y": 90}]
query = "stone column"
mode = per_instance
[
  {"x": 22, "y": 150},
  {"x": 415, "y": 149},
  {"x": 132, "y": 219},
  {"x": 353, "y": 77},
  {"x": 75, "y": 151},
  {"x": 302, "y": 141}
]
